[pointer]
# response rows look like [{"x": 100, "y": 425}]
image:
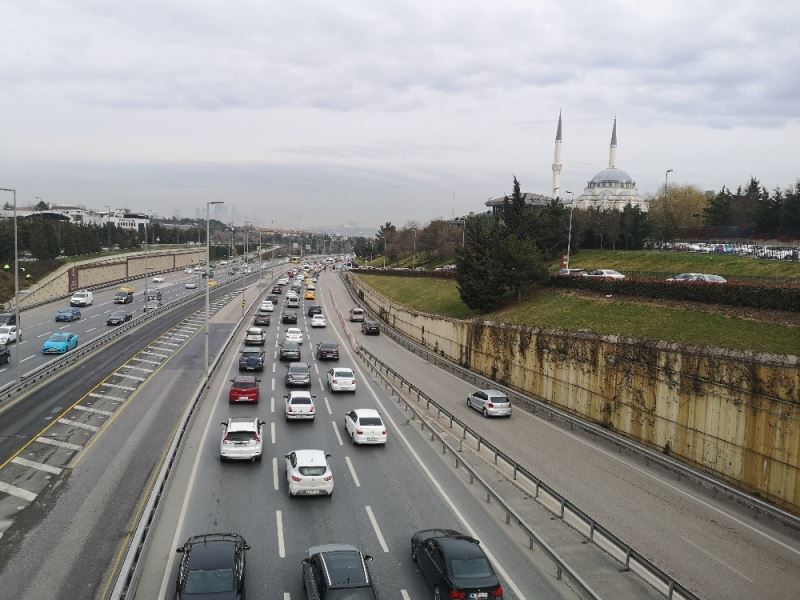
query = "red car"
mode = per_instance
[{"x": 244, "y": 388}]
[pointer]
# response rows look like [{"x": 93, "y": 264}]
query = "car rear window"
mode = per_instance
[
  {"x": 244, "y": 384},
  {"x": 346, "y": 569},
  {"x": 499, "y": 399},
  {"x": 241, "y": 436},
  {"x": 312, "y": 471},
  {"x": 301, "y": 400},
  {"x": 209, "y": 581},
  {"x": 358, "y": 311},
  {"x": 374, "y": 421},
  {"x": 342, "y": 373},
  {"x": 471, "y": 568}
]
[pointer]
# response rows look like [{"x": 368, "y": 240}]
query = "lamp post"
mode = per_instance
[
  {"x": 569, "y": 235},
  {"x": 146, "y": 252},
  {"x": 414, "y": 254},
  {"x": 16, "y": 277},
  {"x": 208, "y": 295},
  {"x": 666, "y": 198},
  {"x": 246, "y": 242},
  {"x": 108, "y": 225}
]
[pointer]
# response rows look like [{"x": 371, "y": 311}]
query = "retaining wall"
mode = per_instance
[{"x": 734, "y": 414}]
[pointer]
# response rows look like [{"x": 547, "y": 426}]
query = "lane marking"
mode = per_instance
[
  {"x": 17, "y": 492},
  {"x": 322, "y": 387},
  {"x": 722, "y": 562},
  {"x": 90, "y": 330},
  {"x": 26, "y": 358},
  {"x": 405, "y": 595},
  {"x": 106, "y": 413},
  {"x": 154, "y": 354},
  {"x": 44, "y": 334},
  {"x": 275, "y": 483},
  {"x": 279, "y": 522},
  {"x": 144, "y": 360},
  {"x": 352, "y": 471},
  {"x": 146, "y": 370},
  {"x": 272, "y": 431},
  {"x": 126, "y": 376},
  {"x": 36, "y": 465},
  {"x": 273, "y": 384},
  {"x": 119, "y": 387},
  {"x": 377, "y": 529},
  {"x": 287, "y": 596},
  {"x": 77, "y": 424},
  {"x": 58, "y": 443},
  {"x": 105, "y": 397},
  {"x": 327, "y": 405},
  {"x": 273, "y": 367},
  {"x": 272, "y": 404}
]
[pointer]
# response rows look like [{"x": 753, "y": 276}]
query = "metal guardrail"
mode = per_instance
[
  {"x": 566, "y": 511},
  {"x": 537, "y": 406}
]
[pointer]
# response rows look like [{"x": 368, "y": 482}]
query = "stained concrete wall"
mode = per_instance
[{"x": 734, "y": 414}]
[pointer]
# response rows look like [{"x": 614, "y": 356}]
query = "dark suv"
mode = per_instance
[
  {"x": 370, "y": 327},
  {"x": 212, "y": 566},
  {"x": 8, "y": 319},
  {"x": 337, "y": 571},
  {"x": 328, "y": 351},
  {"x": 314, "y": 309},
  {"x": 251, "y": 359}
]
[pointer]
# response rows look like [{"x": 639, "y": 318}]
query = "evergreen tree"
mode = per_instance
[
  {"x": 479, "y": 273},
  {"x": 719, "y": 212}
]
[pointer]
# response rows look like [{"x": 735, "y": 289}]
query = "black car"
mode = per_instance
[
  {"x": 290, "y": 351},
  {"x": 123, "y": 298},
  {"x": 8, "y": 319},
  {"x": 118, "y": 317},
  {"x": 277, "y": 289},
  {"x": 337, "y": 571},
  {"x": 289, "y": 317},
  {"x": 273, "y": 298},
  {"x": 314, "y": 309},
  {"x": 327, "y": 351},
  {"x": 454, "y": 565},
  {"x": 251, "y": 359},
  {"x": 298, "y": 375},
  {"x": 5, "y": 354},
  {"x": 370, "y": 327},
  {"x": 212, "y": 566},
  {"x": 261, "y": 319}
]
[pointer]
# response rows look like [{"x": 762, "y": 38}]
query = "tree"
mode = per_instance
[
  {"x": 718, "y": 212},
  {"x": 522, "y": 263},
  {"x": 479, "y": 273},
  {"x": 634, "y": 227},
  {"x": 550, "y": 228},
  {"x": 42, "y": 205},
  {"x": 681, "y": 209},
  {"x": 516, "y": 215}
]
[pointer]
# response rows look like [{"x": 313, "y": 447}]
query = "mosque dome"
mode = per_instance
[{"x": 612, "y": 175}]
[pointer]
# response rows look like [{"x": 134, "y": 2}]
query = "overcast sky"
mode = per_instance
[{"x": 315, "y": 114}]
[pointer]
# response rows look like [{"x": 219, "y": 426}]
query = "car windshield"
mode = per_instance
[
  {"x": 65, "y": 311},
  {"x": 209, "y": 582},
  {"x": 79, "y": 295},
  {"x": 244, "y": 384},
  {"x": 373, "y": 421},
  {"x": 290, "y": 346},
  {"x": 58, "y": 337},
  {"x": 253, "y": 332},
  {"x": 471, "y": 568},
  {"x": 241, "y": 436},
  {"x": 346, "y": 569},
  {"x": 312, "y": 471},
  {"x": 299, "y": 370},
  {"x": 328, "y": 346}
]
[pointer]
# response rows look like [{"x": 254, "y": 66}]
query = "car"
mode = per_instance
[
  {"x": 123, "y": 297},
  {"x": 357, "y": 314},
  {"x": 261, "y": 319},
  {"x": 212, "y": 283},
  {"x": 333, "y": 571},
  {"x": 491, "y": 403},
  {"x": 341, "y": 380},
  {"x": 370, "y": 327},
  {"x": 308, "y": 473},
  {"x": 244, "y": 388},
  {"x": 5, "y": 354},
  {"x": 309, "y": 295},
  {"x": 188, "y": 270},
  {"x": 8, "y": 319},
  {"x": 318, "y": 321},
  {"x": 277, "y": 289},
  {"x": 292, "y": 303},
  {"x": 698, "y": 277},
  {"x": 9, "y": 334},
  {"x": 310, "y": 286},
  {"x": 327, "y": 351},
  {"x": 283, "y": 281},
  {"x": 298, "y": 375},
  {"x": 159, "y": 279},
  {"x": 255, "y": 336},
  {"x": 289, "y": 318},
  {"x": 153, "y": 294},
  {"x": 291, "y": 295},
  {"x": 59, "y": 343},
  {"x": 365, "y": 426},
  {"x": 273, "y": 298},
  {"x": 251, "y": 359},
  {"x": 314, "y": 309},
  {"x": 267, "y": 306},
  {"x": 454, "y": 565},
  {"x": 604, "y": 274},
  {"x": 299, "y": 405},
  {"x": 190, "y": 285},
  {"x": 294, "y": 334},
  {"x": 571, "y": 272},
  {"x": 242, "y": 439},
  {"x": 289, "y": 351},
  {"x": 151, "y": 305},
  {"x": 118, "y": 317},
  {"x": 212, "y": 565},
  {"x": 81, "y": 298}
]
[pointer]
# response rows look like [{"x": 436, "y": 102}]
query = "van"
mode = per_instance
[
  {"x": 357, "y": 315},
  {"x": 81, "y": 298}
]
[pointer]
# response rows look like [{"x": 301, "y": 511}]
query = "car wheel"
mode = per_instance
[
  {"x": 437, "y": 595},
  {"x": 414, "y": 553},
  {"x": 469, "y": 404},
  {"x": 353, "y": 439},
  {"x": 485, "y": 413}
]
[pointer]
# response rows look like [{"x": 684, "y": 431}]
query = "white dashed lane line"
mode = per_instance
[
  {"x": 377, "y": 529},
  {"x": 58, "y": 443},
  {"x": 24, "y": 462},
  {"x": 352, "y": 471},
  {"x": 336, "y": 431}
]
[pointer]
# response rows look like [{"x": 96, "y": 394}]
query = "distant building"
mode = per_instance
[
  {"x": 80, "y": 215},
  {"x": 532, "y": 200}
]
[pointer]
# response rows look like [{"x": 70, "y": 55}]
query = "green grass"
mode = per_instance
[{"x": 559, "y": 309}]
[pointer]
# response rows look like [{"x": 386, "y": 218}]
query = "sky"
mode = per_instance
[{"x": 317, "y": 114}]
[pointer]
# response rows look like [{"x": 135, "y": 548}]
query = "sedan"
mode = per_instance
[
  {"x": 318, "y": 321},
  {"x": 277, "y": 289},
  {"x": 242, "y": 439},
  {"x": 68, "y": 314},
  {"x": 9, "y": 334},
  {"x": 298, "y": 374},
  {"x": 244, "y": 388},
  {"x": 491, "y": 403},
  {"x": 212, "y": 566},
  {"x": 299, "y": 405},
  {"x": 152, "y": 305},
  {"x": 190, "y": 285},
  {"x": 370, "y": 327},
  {"x": 289, "y": 318},
  {"x": 365, "y": 426},
  {"x": 267, "y": 306},
  {"x": 59, "y": 343},
  {"x": 159, "y": 279},
  {"x": 338, "y": 571},
  {"x": 341, "y": 380},
  {"x": 294, "y": 334},
  {"x": 308, "y": 473},
  {"x": 328, "y": 351},
  {"x": 261, "y": 320},
  {"x": 604, "y": 274},
  {"x": 290, "y": 351},
  {"x": 454, "y": 565},
  {"x": 118, "y": 317}
]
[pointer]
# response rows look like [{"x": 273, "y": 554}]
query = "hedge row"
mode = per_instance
[{"x": 731, "y": 294}]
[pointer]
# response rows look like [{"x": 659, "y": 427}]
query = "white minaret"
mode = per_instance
[
  {"x": 557, "y": 164},
  {"x": 612, "y": 151}
]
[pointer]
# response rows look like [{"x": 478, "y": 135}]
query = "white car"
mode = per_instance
[
  {"x": 158, "y": 279},
  {"x": 341, "y": 380},
  {"x": 308, "y": 473},
  {"x": 299, "y": 405},
  {"x": 605, "y": 274},
  {"x": 294, "y": 334},
  {"x": 242, "y": 439},
  {"x": 188, "y": 270},
  {"x": 267, "y": 306},
  {"x": 365, "y": 426},
  {"x": 190, "y": 285},
  {"x": 9, "y": 334},
  {"x": 291, "y": 294},
  {"x": 283, "y": 281},
  {"x": 318, "y": 320}
]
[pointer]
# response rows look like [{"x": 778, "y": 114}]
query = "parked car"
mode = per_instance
[
  {"x": 289, "y": 351},
  {"x": 491, "y": 403},
  {"x": 289, "y": 318},
  {"x": 123, "y": 297},
  {"x": 334, "y": 571},
  {"x": 9, "y": 334},
  {"x": 299, "y": 405},
  {"x": 82, "y": 298},
  {"x": 318, "y": 321},
  {"x": 341, "y": 380},
  {"x": 357, "y": 315},
  {"x": 327, "y": 351},
  {"x": 118, "y": 317},
  {"x": 604, "y": 274},
  {"x": 308, "y": 473},
  {"x": 255, "y": 336},
  {"x": 454, "y": 565},
  {"x": 365, "y": 426},
  {"x": 59, "y": 343},
  {"x": 212, "y": 566},
  {"x": 698, "y": 277},
  {"x": 242, "y": 439},
  {"x": 294, "y": 334},
  {"x": 298, "y": 375},
  {"x": 370, "y": 327},
  {"x": 244, "y": 388},
  {"x": 571, "y": 272},
  {"x": 314, "y": 309},
  {"x": 251, "y": 359}
]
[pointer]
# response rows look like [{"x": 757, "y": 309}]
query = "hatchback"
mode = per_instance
[
  {"x": 68, "y": 314},
  {"x": 308, "y": 473},
  {"x": 118, "y": 317},
  {"x": 318, "y": 321},
  {"x": 294, "y": 334},
  {"x": 357, "y": 315},
  {"x": 365, "y": 426},
  {"x": 290, "y": 351},
  {"x": 242, "y": 439},
  {"x": 298, "y": 375},
  {"x": 212, "y": 566},
  {"x": 327, "y": 351},
  {"x": 492, "y": 403},
  {"x": 255, "y": 336},
  {"x": 341, "y": 380},
  {"x": 338, "y": 571},
  {"x": 299, "y": 405},
  {"x": 244, "y": 388},
  {"x": 370, "y": 328},
  {"x": 289, "y": 318},
  {"x": 261, "y": 320}
]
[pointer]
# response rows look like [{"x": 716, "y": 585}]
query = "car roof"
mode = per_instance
[
  {"x": 299, "y": 394},
  {"x": 310, "y": 457},
  {"x": 212, "y": 552},
  {"x": 298, "y": 365},
  {"x": 492, "y": 392},
  {"x": 328, "y": 344},
  {"x": 254, "y": 330},
  {"x": 367, "y": 412},
  {"x": 243, "y": 424},
  {"x": 251, "y": 350},
  {"x": 322, "y": 548},
  {"x": 294, "y": 330},
  {"x": 245, "y": 379},
  {"x": 460, "y": 546}
]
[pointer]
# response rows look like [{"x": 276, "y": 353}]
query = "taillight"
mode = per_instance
[
  {"x": 335, "y": 381},
  {"x": 360, "y": 431},
  {"x": 498, "y": 591},
  {"x": 383, "y": 432},
  {"x": 289, "y": 409},
  {"x": 328, "y": 477},
  {"x": 312, "y": 408},
  {"x": 297, "y": 478},
  {"x": 491, "y": 405},
  {"x": 225, "y": 440},
  {"x": 457, "y": 595}
]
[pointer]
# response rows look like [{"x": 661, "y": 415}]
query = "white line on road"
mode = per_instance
[
  {"x": 105, "y": 413},
  {"x": 78, "y": 424},
  {"x": 37, "y": 465},
  {"x": 273, "y": 367},
  {"x": 352, "y": 471},
  {"x": 272, "y": 404},
  {"x": 279, "y": 520},
  {"x": 336, "y": 431},
  {"x": 58, "y": 443},
  {"x": 273, "y": 384},
  {"x": 322, "y": 387},
  {"x": 26, "y": 358},
  {"x": 316, "y": 368},
  {"x": 65, "y": 326},
  {"x": 94, "y": 316},
  {"x": 107, "y": 397},
  {"x": 328, "y": 405},
  {"x": 272, "y": 431},
  {"x": 405, "y": 595},
  {"x": 90, "y": 330},
  {"x": 377, "y": 529},
  {"x": 722, "y": 562},
  {"x": 44, "y": 334},
  {"x": 13, "y": 490},
  {"x": 287, "y": 596},
  {"x": 119, "y": 387},
  {"x": 275, "y": 483}
]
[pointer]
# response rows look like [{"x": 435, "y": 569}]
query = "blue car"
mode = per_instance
[
  {"x": 68, "y": 314},
  {"x": 59, "y": 343}
]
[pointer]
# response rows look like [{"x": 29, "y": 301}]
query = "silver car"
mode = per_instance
[
  {"x": 492, "y": 403},
  {"x": 242, "y": 439}
]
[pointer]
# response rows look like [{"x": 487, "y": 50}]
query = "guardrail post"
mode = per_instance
[
  {"x": 558, "y": 572},
  {"x": 495, "y": 456},
  {"x": 536, "y": 491},
  {"x": 627, "y": 566},
  {"x": 515, "y": 471},
  {"x": 563, "y": 501}
]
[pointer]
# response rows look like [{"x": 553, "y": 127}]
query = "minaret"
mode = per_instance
[
  {"x": 557, "y": 164},
  {"x": 612, "y": 152}
]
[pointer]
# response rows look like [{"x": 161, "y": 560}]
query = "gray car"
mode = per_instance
[
  {"x": 491, "y": 403},
  {"x": 298, "y": 374}
]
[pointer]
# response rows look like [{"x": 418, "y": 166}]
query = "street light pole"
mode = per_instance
[
  {"x": 146, "y": 253},
  {"x": 569, "y": 235},
  {"x": 414, "y": 255},
  {"x": 208, "y": 295},
  {"x": 666, "y": 199},
  {"x": 16, "y": 278}
]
